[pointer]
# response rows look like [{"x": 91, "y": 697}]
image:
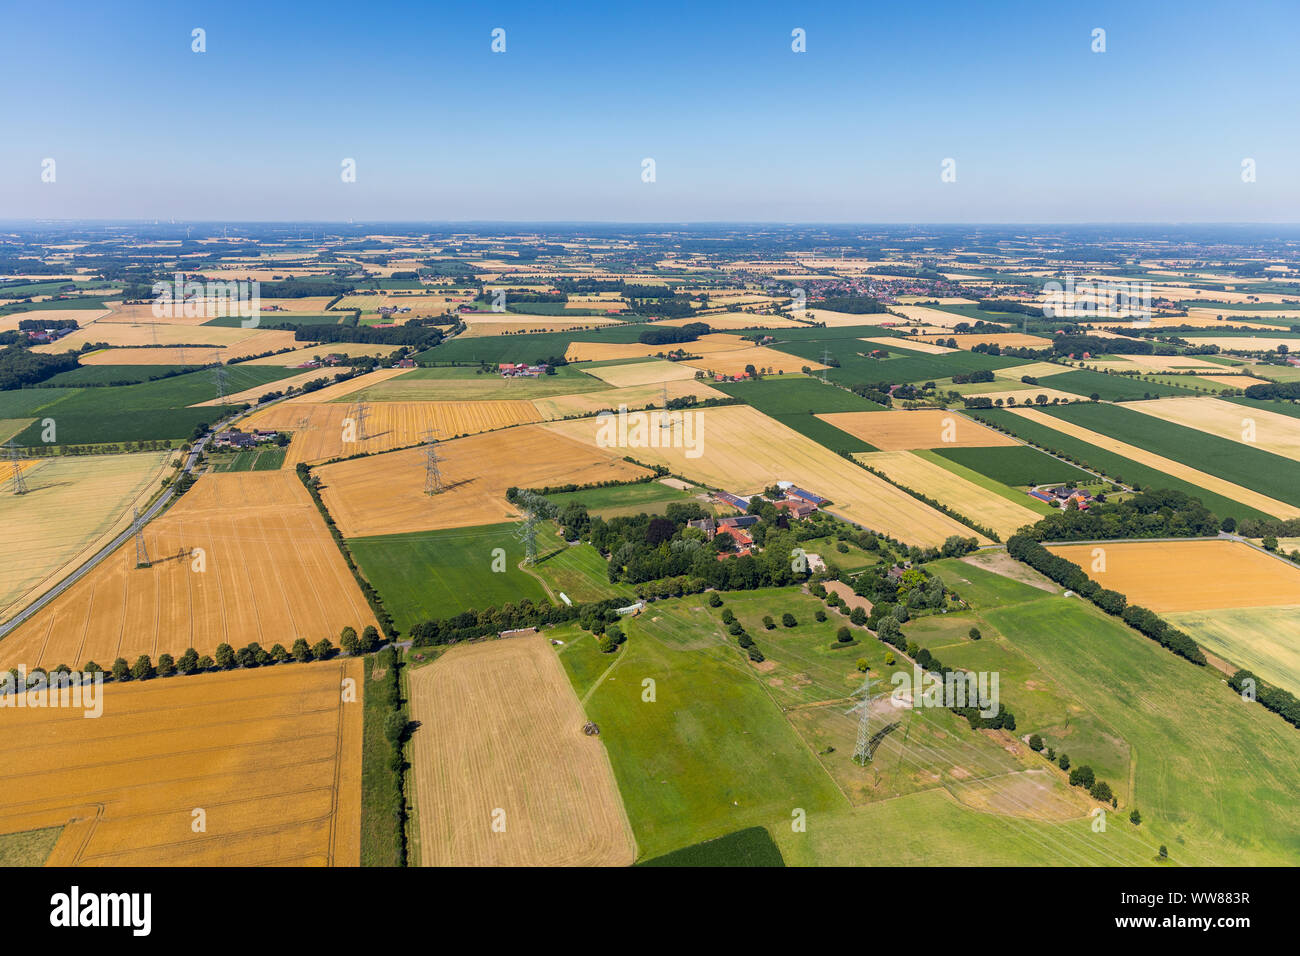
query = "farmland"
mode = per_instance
[
  {"x": 436, "y": 574},
  {"x": 1264, "y": 640},
  {"x": 743, "y": 451},
  {"x": 471, "y": 384},
  {"x": 991, "y": 509},
  {"x": 923, "y": 428},
  {"x": 241, "y": 557},
  {"x": 384, "y": 494},
  {"x": 1015, "y": 464},
  {"x": 73, "y": 507},
  {"x": 1187, "y": 575},
  {"x": 1248, "y": 467},
  {"x": 325, "y": 431},
  {"x": 1269, "y": 431},
  {"x": 271, "y": 756},
  {"x": 493, "y": 716}
]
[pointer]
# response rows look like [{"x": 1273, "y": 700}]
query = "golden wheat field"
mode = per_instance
[
  {"x": 1260, "y": 428},
  {"x": 642, "y": 373},
  {"x": 384, "y": 494},
  {"x": 263, "y": 341},
  {"x": 83, "y": 317},
  {"x": 251, "y": 395},
  {"x": 1032, "y": 369},
  {"x": 1009, "y": 340},
  {"x": 736, "y": 320},
  {"x": 504, "y": 775},
  {"x": 241, "y": 557},
  {"x": 922, "y": 428},
  {"x": 744, "y": 451},
  {"x": 1187, "y": 575},
  {"x": 73, "y": 507},
  {"x": 1176, "y": 469},
  {"x": 766, "y": 361},
  {"x": 127, "y": 334},
  {"x": 974, "y": 501},
  {"x": 333, "y": 430},
  {"x": 705, "y": 345},
  {"x": 271, "y": 757},
  {"x": 340, "y": 391},
  {"x": 633, "y": 396}
]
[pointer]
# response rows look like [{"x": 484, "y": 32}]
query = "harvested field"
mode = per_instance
[
  {"x": 327, "y": 433},
  {"x": 928, "y": 315},
  {"x": 500, "y": 740},
  {"x": 975, "y": 502},
  {"x": 543, "y": 323},
  {"x": 1007, "y": 340},
  {"x": 840, "y": 320},
  {"x": 1037, "y": 370},
  {"x": 269, "y": 572},
  {"x": 272, "y": 756},
  {"x": 73, "y": 507},
  {"x": 745, "y": 451},
  {"x": 634, "y": 397},
  {"x": 127, "y": 334},
  {"x": 643, "y": 373},
  {"x": 767, "y": 361},
  {"x": 82, "y": 317},
  {"x": 705, "y": 345},
  {"x": 1188, "y": 575},
  {"x": 259, "y": 342},
  {"x": 251, "y": 395},
  {"x": 912, "y": 343},
  {"x": 922, "y": 428},
  {"x": 1219, "y": 486},
  {"x": 384, "y": 494},
  {"x": 1244, "y": 343},
  {"x": 1272, "y": 432},
  {"x": 473, "y": 385}
]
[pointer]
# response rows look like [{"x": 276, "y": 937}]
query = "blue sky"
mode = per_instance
[{"x": 741, "y": 128}]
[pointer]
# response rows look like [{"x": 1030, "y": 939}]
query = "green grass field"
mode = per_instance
[
  {"x": 1111, "y": 388},
  {"x": 1183, "y": 724},
  {"x": 712, "y": 754},
  {"x": 580, "y": 573},
  {"x": 1000, "y": 489},
  {"x": 522, "y": 348},
  {"x": 253, "y": 459},
  {"x": 796, "y": 394},
  {"x": 111, "y": 374},
  {"x": 1265, "y": 640},
  {"x": 1014, "y": 464},
  {"x": 28, "y": 847},
  {"x": 856, "y": 368},
  {"x": 434, "y": 574},
  {"x": 646, "y": 497},
  {"x": 1242, "y": 464},
  {"x": 750, "y": 847},
  {"x": 1113, "y": 465},
  {"x": 147, "y": 411}
]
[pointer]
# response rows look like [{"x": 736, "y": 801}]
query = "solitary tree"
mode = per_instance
[{"x": 225, "y": 656}]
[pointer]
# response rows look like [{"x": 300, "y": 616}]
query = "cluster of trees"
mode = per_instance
[
  {"x": 226, "y": 658},
  {"x": 852, "y": 304},
  {"x": 979, "y": 375},
  {"x": 1025, "y": 548},
  {"x": 671, "y": 335},
  {"x": 1274, "y": 391},
  {"x": 387, "y": 694},
  {"x": 1010, "y": 305},
  {"x": 737, "y": 630},
  {"x": 21, "y": 366},
  {"x": 1155, "y": 513},
  {"x": 415, "y": 336},
  {"x": 312, "y": 483},
  {"x": 1281, "y": 702},
  {"x": 37, "y": 325},
  {"x": 473, "y": 623}
]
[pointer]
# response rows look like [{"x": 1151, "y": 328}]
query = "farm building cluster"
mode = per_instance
[
  {"x": 795, "y": 502},
  {"x": 237, "y": 439},
  {"x": 1062, "y": 496},
  {"x": 522, "y": 370}
]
